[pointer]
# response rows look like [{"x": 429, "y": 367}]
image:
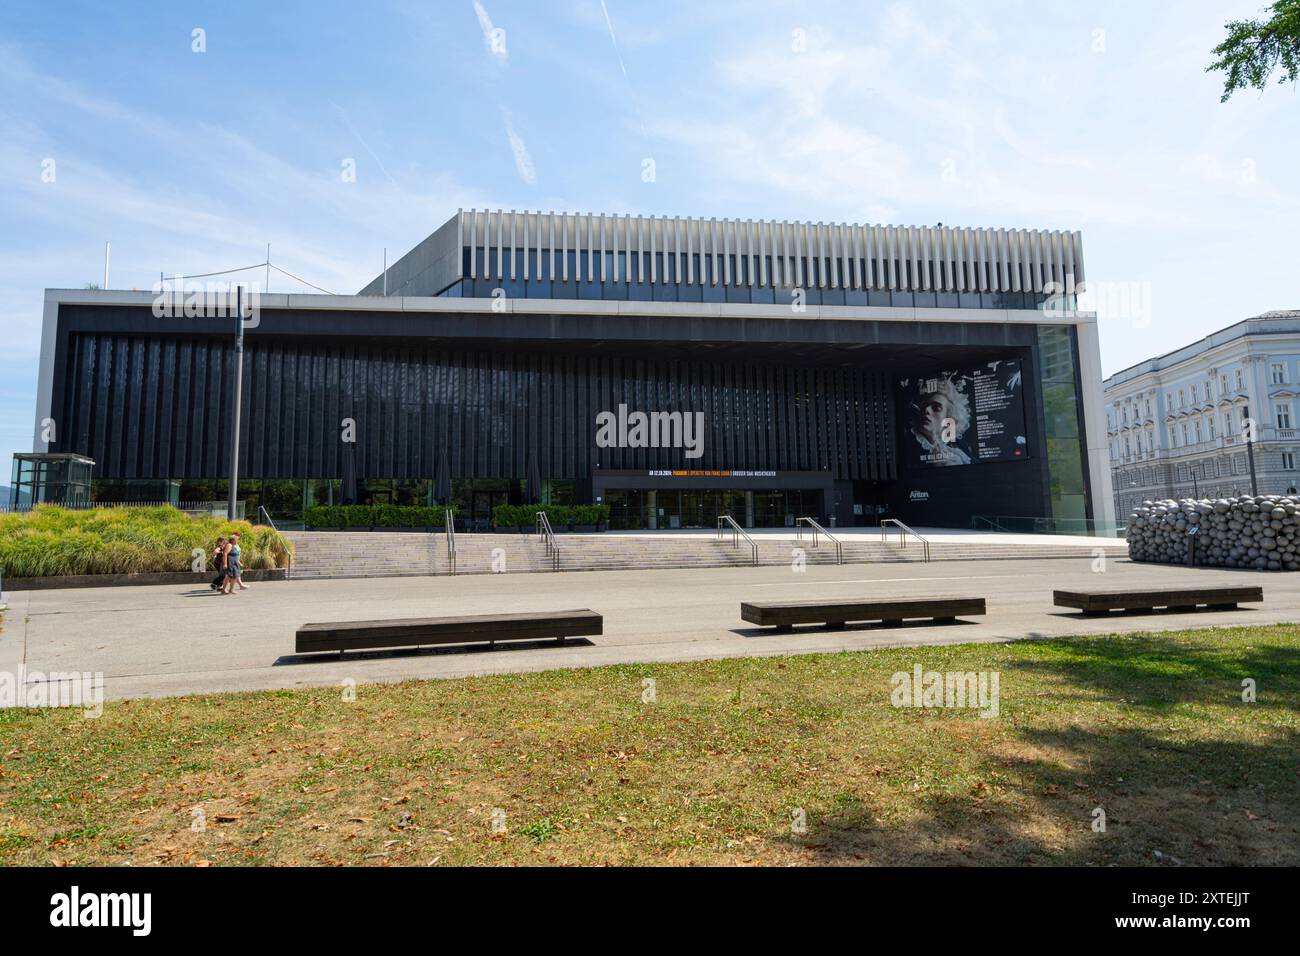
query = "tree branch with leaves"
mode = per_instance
[{"x": 1255, "y": 49}]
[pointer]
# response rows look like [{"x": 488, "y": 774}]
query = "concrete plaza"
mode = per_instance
[{"x": 159, "y": 641}]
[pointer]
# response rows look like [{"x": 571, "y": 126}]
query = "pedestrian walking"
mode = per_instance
[
  {"x": 232, "y": 566},
  {"x": 219, "y": 564}
]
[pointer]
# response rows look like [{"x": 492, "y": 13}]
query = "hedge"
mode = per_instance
[
  {"x": 560, "y": 516},
  {"x": 375, "y": 516},
  {"x": 52, "y": 541}
]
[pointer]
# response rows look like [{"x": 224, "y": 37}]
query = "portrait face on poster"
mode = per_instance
[{"x": 964, "y": 416}]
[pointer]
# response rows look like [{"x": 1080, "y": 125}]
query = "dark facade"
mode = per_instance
[{"x": 809, "y": 406}]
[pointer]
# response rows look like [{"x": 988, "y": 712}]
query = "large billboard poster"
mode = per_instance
[{"x": 964, "y": 417}]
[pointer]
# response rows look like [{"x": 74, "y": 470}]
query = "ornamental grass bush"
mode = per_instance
[{"x": 51, "y": 541}]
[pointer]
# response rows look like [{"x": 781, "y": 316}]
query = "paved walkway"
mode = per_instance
[
  {"x": 158, "y": 641},
  {"x": 933, "y": 535}
]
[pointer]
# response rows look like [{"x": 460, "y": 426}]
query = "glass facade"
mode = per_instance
[
  {"x": 1062, "y": 421},
  {"x": 632, "y": 509},
  {"x": 656, "y": 277},
  {"x": 49, "y": 478}
]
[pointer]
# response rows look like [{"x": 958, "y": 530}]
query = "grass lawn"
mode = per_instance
[{"x": 1150, "y": 727}]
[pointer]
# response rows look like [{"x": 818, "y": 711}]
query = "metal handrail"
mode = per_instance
[
  {"x": 552, "y": 546},
  {"x": 903, "y": 532},
  {"x": 261, "y": 509},
  {"x": 451, "y": 540},
  {"x": 818, "y": 529},
  {"x": 737, "y": 532}
]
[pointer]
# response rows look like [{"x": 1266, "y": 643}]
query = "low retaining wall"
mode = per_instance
[
  {"x": 122, "y": 580},
  {"x": 1260, "y": 532}
]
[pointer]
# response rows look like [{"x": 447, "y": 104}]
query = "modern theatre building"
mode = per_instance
[{"x": 674, "y": 369}]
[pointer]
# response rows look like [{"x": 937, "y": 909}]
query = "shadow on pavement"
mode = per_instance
[{"x": 332, "y": 657}]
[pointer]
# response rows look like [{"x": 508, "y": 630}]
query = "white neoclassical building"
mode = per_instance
[{"x": 1181, "y": 424}]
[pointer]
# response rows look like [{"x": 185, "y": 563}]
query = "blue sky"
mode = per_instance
[{"x": 1096, "y": 117}]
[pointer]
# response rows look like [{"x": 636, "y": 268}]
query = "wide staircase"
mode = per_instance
[
  {"x": 366, "y": 554},
  {"x": 341, "y": 554}
]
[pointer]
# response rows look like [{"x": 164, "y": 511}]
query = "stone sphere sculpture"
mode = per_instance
[{"x": 1252, "y": 531}]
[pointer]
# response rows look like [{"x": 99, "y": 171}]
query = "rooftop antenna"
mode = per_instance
[
  {"x": 385, "y": 270},
  {"x": 107, "y": 246},
  {"x": 268, "y": 267}
]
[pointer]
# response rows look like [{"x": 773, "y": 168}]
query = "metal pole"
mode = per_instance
[
  {"x": 268, "y": 270},
  {"x": 1250, "y": 457},
  {"x": 107, "y": 248},
  {"x": 385, "y": 270},
  {"x": 239, "y": 394}
]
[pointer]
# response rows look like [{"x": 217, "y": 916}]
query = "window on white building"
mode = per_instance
[
  {"x": 1283, "y": 415},
  {"x": 1278, "y": 372},
  {"x": 1288, "y": 460},
  {"x": 1223, "y": 385},
  {"x": 1238, "y": 373}
]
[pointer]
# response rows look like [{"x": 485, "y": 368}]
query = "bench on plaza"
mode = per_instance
[
  {"x": 785, "y": 614},
  {"x": 1174, "y": 599},
  {"x": 468, "y": 629}
]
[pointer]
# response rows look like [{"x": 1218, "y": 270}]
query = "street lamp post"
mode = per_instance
[
  {"x": 239, "y": 394},
  {"x": 1250, "y": 457}
]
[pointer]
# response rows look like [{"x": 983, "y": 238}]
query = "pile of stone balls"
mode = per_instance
[{"x": 1261, "y": 531}]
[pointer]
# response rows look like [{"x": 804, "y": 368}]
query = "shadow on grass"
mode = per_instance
[
  {"x": 824, "y": 629},
  {"x": 1155, "y": 670},
  {"x": 1175, "y": 787}
]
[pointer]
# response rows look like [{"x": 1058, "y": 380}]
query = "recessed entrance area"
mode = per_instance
[{"x": 636, "y": 508}]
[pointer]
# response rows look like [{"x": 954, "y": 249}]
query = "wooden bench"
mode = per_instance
[
  {"x": 471, "y": 629},
  {"x": 785, "y": 614},
  {"x": 1175, "y": 599}
]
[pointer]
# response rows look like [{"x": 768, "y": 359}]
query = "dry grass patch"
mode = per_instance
[{"x": 1150, "y": 727}]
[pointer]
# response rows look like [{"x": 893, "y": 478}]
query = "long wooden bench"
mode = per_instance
[
  {"x": 785, "y": 614},
  {"x": 1175, "y": 599},
  {"x": 472, "y": 629}
]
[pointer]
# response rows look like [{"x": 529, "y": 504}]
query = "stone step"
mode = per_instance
[{"x": 389, "y": 554}]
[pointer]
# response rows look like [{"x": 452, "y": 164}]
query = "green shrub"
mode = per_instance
[
  {"x": 322, "y": 516},
  {"x": 51, "y": 541},
  {"x": 375, "y": 516},
  {"x": 590, "y": 514},
  {"x": 510, "y": 516},
  {"x": 560, "y": 516}
]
